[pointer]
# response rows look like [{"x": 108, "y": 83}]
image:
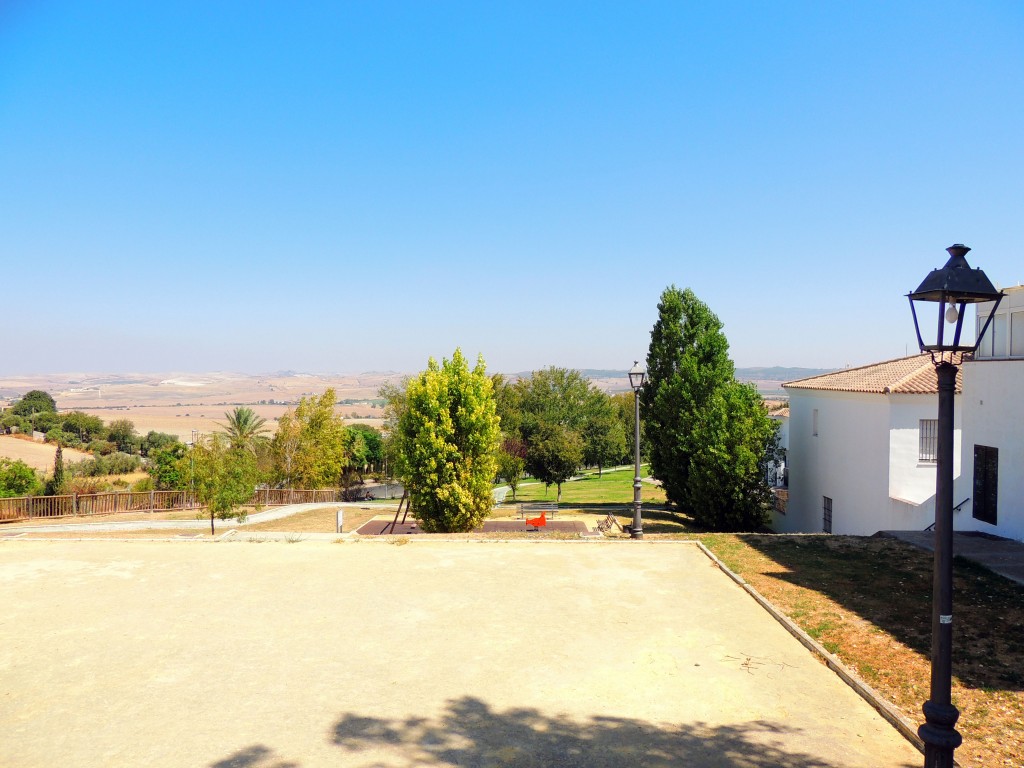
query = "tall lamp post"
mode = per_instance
[
  {"x": 950, "y": 289},
  {"x": 636, "y": 381}
]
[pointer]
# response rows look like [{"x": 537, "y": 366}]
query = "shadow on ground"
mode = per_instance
[
  {"x": 889, "y": 583},
  {"x": 471, "y": 733}
]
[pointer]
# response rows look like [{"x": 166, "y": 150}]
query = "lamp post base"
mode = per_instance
[{"x": 938, "y": 734}]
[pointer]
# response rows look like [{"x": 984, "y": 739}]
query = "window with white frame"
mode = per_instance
[{"x": 928, "y": 440}]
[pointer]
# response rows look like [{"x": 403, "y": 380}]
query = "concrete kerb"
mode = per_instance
[{"x": 888, "y": 712}]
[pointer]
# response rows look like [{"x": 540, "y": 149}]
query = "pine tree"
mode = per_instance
[{"x": 58, "y": 470}]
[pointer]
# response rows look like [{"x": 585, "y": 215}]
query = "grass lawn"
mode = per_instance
[{"x": 868, "y": 600}]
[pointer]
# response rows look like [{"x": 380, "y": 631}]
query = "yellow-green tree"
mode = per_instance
[
  {"x": 311, "y": 446},
  {"x": 223, "y": 477},
  {"x": 447, "y": 439}
]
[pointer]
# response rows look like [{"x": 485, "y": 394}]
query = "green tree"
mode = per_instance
[
  {"x": 82, "y": 424},
  {"x": 311, "y": 445},
  {"x": 56, "y": 484},
  {"x": 224, "y": 478},
  {"x": 604, "y": 436},
  {"x": 448, "y": 440},
  {"x": 554, "y": 396},
  {"x": 370, "y": 452},
  {"x": 244, "y": 428},
  {"x": 512, "y": 462},
  {"x": 155, "y": 440},
  {"x": 18, "y": 479},
  {"x": 735, "y": 439},
  {"x": 709, "y": 436},
  {"x": 33, "y": 402},
  {"x": 163, "y": 465},
  {"x": 687, "y": 362},
  {"x": 554, "y": 454},
  {"x": 44, "y": 421},
  {"x": 625, "y": 412},
  {"x": 121, "y": 433}
]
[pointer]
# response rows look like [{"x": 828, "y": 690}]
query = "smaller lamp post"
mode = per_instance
[
  {"x": 951, "y": 289},
  {"x": 636, "y": 381}
]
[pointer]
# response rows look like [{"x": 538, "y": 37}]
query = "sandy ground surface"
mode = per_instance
[
  {"x": 428, "y": 653},
  {"x": 37, "y": 455}
]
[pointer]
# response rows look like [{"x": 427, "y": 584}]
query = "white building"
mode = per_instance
[
  {"x": 993, "y": 434},
  {"x": 861, "y": 454}
]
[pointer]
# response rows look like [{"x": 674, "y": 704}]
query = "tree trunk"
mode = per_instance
[
  {"x": 211, "y": 522},
  {"x": 558, "y": 497}
]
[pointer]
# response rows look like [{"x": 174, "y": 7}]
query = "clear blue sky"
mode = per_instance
[{"x": 343, "y": 187}]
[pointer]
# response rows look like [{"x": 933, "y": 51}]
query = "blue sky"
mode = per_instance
[{"x": 344, "y": 187}]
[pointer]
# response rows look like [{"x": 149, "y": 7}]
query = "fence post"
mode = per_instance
[
  {"x": 151, "y": 501},
  {"x": 74, "y": 503}
]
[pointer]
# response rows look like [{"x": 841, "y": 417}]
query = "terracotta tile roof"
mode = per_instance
[{"x": 907, "y": 375}]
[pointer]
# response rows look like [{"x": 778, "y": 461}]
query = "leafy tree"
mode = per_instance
[
  {"x": 708, "y": 435},
  {"x": 367, "y": 446},
  {"x": 82, "y": 424},
  {"x": 554, "y": 455},
  {"x": 735, "y": 439},
  {"x": 44, "y": 421},
  {"x": 18, "y": 479},
  {"x": 507, "y": 405},
  {"x": 62, "y": 438},
  {"x": 448, "y": 440},
  {"x": 244, "y": 429},
  {"x": 512, "y": 462},
  {"x": 35, "y": 401},
  {"x": 554, "y": 396},
  {"x": 687, "y": 362},
  {"x": 604, "y": 436},
  {"x": 311, "y": 445},
  {"x": 156, "y": 440},
  {"x": 121, "y": 433},
  {"x": 11, "y": 421},
  {"x": 163, "y": 465},
  {"x": 625, "y": 412},
  {"x": 224, "y": 478}
]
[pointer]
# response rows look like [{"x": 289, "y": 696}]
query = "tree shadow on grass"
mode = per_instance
[
  {"x": 889, "y": 583},
  {"x": 471, "y": 733}
]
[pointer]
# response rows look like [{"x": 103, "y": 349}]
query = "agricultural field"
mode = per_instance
[{"x": 36, "y": 455}]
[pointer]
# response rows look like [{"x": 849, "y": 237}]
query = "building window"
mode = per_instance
[
  {"x": 814, "y": 423},
  {"x": 928, "y": 440},
  {"x": 1017, "y": 334},
  {"x": 986, "y": 483},
  {"x": 826, "y": 518}
]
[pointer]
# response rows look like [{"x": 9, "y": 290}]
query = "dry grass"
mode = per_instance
[
  {"x": 319, "y": 520},
  {"x": 37, "y": 455},
  {"x": 869, "y": 602}
]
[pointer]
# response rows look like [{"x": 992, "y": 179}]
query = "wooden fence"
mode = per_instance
[{"x": 114, "y": 502}]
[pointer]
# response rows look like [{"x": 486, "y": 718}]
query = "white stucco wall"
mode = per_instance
[
  {"x": 865, "y": 458},
  {"x": 847, "y": 461},
  {"x": 994, "y": 416}
]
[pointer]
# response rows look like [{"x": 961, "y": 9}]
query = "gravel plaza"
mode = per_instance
[{"x": 428, "y": 652}]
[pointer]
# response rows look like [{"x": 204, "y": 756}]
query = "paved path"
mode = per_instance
[
  {"x": 1003, "y": 556},
  {"x": 432, "y": 653}
]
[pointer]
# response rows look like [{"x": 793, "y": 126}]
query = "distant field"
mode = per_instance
[{"x": 37, "y": 455}]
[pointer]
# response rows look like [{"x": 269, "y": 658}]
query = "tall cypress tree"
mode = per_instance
[
  {"x": 687, "y": 363},
  {"x": 58, "y": 470}
]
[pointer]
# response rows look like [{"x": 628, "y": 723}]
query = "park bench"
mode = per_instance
[{"x": 534, "y": 508}]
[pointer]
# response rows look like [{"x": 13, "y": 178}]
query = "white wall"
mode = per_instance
[
  {"x": 994, "y": 415},
  {"x": 847, "y": 461},
  {"x": 912, "y": 482},
  {"x": 865, "y": 458}
]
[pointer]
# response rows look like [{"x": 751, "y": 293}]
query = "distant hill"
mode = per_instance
[{"x": 779, "y": 373}]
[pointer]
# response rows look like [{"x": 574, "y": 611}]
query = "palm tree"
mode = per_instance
[{"x": 244, "y": 429}]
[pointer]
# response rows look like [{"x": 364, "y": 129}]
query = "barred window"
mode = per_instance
[
  {"x": 826, "y": 517},
  {"x": 928, "y": 440}
]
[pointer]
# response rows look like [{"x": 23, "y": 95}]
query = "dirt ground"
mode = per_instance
[
  {"x": 427, "y": 653},
  {"x": 37, "y": 455}
]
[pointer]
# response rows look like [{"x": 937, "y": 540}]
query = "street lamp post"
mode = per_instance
[
  {"x": 951, "y": 289},
  {"x": 636, "y": 381}
]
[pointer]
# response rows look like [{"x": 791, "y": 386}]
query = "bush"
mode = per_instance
[
  {"x": 144, "y": 485},
  {"x": 114, "y": 464},
  {"x": 101, "y": 447},
  {"x": 18, "y": 479}
]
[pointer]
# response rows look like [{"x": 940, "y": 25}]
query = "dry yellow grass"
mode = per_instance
[{"x": 37, "y": 455}]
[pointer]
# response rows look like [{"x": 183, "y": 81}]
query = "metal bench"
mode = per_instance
[{"x": 534, "y": 508}]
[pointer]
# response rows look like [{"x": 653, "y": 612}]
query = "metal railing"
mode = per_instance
[{"x": 115, "y": 502}]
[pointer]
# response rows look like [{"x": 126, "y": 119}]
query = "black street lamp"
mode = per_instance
[
  {"x": 951, "y": 289},
  {"x": 636, "y": 381}
]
